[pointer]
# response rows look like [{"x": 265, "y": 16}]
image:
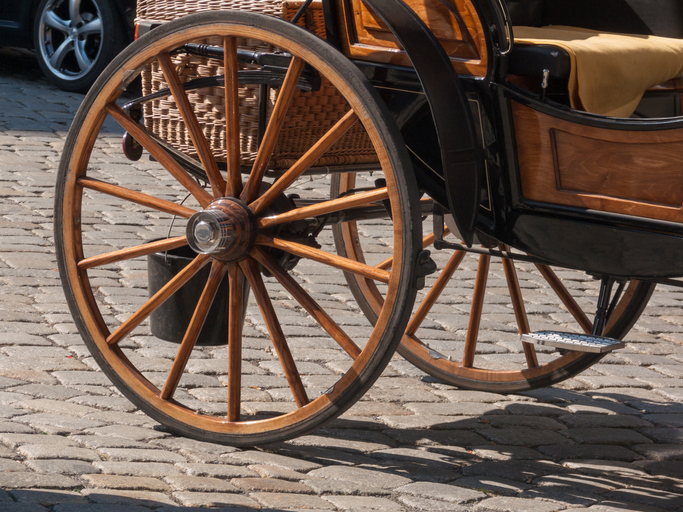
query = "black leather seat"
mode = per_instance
[
  {"x": 649, "y": 17},
  {"x": 532, "y": 60}
]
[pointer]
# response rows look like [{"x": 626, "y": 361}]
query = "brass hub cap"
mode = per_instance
[{"x": 225, "y": 230}]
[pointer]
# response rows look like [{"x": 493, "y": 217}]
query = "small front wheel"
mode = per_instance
[{"x": 297, "y": 351}]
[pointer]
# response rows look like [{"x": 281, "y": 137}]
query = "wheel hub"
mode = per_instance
[{"x": 225, "y": 230}]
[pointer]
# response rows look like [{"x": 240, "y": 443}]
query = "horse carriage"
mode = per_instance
[{"x": 311, "y": 166}]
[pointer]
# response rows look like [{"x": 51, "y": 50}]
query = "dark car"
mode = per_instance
[{"x": 73, "y": 39}]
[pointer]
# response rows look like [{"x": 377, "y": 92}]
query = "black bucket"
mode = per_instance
[{"x": 169, "y": 321}]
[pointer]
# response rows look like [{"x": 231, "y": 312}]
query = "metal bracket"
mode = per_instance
[
  {"x": 544, "y": 83},
  {"x": 424, "y": 267}
]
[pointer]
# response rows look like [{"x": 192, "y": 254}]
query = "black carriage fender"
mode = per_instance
[{"x": 461, "y": 157}]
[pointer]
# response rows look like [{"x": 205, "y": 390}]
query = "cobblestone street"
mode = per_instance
[{"x": 607, "y": 440}]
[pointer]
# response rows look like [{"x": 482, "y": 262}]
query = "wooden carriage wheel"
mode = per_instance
[
  {"x": 269, "y": 238},
  {"x": 484, "y": 351}
]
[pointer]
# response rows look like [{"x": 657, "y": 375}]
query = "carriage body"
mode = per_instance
[
  {"x": 563, "y": 185},
  {"x": 244, "y": 111},
  {"x": 567, "y": 186}
]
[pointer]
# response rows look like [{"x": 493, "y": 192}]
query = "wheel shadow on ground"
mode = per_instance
[
  {"x": 526, "y": 450},
  {"x": 36, "y": 500},
  {"x": 499, "y": 454}
]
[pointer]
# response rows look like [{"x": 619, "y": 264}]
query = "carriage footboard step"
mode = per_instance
[{"x": 573, "y": 341}]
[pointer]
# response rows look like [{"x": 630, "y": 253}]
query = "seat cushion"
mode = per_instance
[
  {"x": 532, "y": 60},
  {"x": 609, "y": 72}
]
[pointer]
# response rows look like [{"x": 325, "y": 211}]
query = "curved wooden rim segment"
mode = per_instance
[
  {"x": 483, "y": 374},
  {"x": 621, "y": 305},
  {"x": 426, "y": 242}
]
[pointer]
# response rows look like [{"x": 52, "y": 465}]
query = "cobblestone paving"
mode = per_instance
[{"x": 607, "y": 440}]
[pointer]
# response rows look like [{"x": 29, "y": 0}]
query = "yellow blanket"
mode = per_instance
[{"x": 610, "y": 72}]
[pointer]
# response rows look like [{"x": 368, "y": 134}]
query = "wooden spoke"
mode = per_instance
[
  {"x": 158, "y": 299},
  {"x": 426, "y": 242},
  {"x": 476, "y": 310},
  {"x": 308, "y": 303},
  {"x": 232, "y": 118},
  {"x": 327, "y": 140},
  {"x": 566, "y": 298},
  {"x": 250, "y": 268},
  {"x": 325, "y": 258},
  {"x": 192, "y": 124},
  {"x": 132, "y": 252},
  {"x": 136, "y": 197},
  {"x": 273, "y": 129},
  {"x": 235, "y": 324},
  {"x": 140, "y": 134},
  {"x": 322, "y": 208},
  {"x": 216, "y": 275},
  {"x": 519, "y": 309},
  {"x": 435, "y": 292},
  {"x": 622, "y": 304},
  {"x": 386, "y": 264}
]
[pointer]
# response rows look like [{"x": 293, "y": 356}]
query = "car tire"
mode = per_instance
[{"x": 74, "y": 41}]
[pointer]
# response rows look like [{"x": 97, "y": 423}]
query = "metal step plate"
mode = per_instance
[{"x": 573, "y": 341}]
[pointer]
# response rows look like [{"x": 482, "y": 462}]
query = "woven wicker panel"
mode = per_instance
[
  {"x": 167, "y": 10},
  {"x": 308, "y": 118}
]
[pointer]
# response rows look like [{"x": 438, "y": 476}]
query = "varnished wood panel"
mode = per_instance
[
  {"x": 453, "y": 22},
  {"x": 630, "y": 172},
  {"x": 675, "y": 84},
  {"x": 449, "y": 30},
  {"x": 642, "y": 171}
]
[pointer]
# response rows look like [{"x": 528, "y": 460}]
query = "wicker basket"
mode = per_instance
[{"x": 308, "y": 118}]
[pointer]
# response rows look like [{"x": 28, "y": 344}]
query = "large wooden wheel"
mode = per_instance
[
  {"x": 297, "y": 351},
  {"x": 466, "y": 326}
]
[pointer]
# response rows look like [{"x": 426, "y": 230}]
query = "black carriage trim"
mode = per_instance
[
  {"x": 462, "y": 160},
  {"x": 566, "y": 113}
]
